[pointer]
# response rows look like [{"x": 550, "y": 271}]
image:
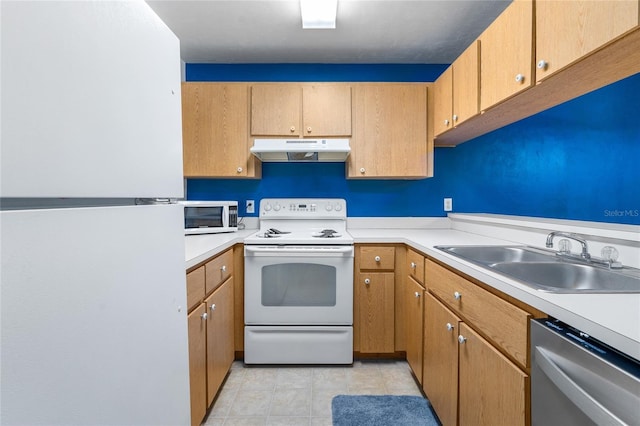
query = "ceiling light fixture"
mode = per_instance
[{"x": 319, "y": 14}]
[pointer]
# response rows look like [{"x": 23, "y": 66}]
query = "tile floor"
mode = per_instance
[{"x": 302, "y": 395}]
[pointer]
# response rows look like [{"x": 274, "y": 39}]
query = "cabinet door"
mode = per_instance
[
  {"x": 443, "y": 102},
  {"x": 215, "y": 127},
  {"x": 414, "y": 312},
  {"x": 276, "y": 110},
  {"x": 466, "y": 84},
  {"x": 197, "y": 364},
  {"x": 326, "y": 110},
  {"x": 220, "y": 338},
  {"x": 568, "y": 30},
  {"x": 390, "y": 131},
  {"x": 507, "y": 54},
  {"x": 376, "y": 312},
  {"x": 492, "y": 389},
  {"x": 440, "y": 367}
]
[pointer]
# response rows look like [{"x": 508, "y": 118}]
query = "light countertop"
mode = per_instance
[{"x": 611, "y": 318}]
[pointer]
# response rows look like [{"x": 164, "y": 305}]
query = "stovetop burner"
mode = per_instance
[{"x": 327, "y": 233}]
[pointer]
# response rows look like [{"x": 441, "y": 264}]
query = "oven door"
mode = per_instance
[{"x": 298, "y": 285}]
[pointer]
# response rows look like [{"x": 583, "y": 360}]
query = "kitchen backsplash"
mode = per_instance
[{"x": 576, "y": 161}]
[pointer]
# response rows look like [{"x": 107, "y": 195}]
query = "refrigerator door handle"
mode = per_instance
[
  {"x": 585, "y": 402},
  {"x": 155, "y": 201}
]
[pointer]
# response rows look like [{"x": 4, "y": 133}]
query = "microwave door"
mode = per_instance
[{"x": 204, "y": 217}]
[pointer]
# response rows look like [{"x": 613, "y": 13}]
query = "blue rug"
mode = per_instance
[{"x": 380, "y": 410}]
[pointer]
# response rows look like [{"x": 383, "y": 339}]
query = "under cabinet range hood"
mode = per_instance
[{"x": 301, "y": 150}]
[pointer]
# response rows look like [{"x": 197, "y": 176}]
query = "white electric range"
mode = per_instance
[{"x": 299, "y": 284}]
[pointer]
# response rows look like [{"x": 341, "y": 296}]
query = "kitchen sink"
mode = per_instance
[
  {"x": 544, "y": 271},
  {"x": 563, "y": 277},
  {"x": 497, "y": 254}
]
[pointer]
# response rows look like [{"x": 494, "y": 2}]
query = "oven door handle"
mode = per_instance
[{"x": 298, "y": 251}]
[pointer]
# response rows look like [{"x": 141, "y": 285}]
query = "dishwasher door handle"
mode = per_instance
[{"x": 585, "y": 402}]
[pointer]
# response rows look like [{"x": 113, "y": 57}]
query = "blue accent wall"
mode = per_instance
[{"x": 579, "y": 160}]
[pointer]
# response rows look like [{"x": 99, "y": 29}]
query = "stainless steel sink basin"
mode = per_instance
[
  {"x": 544, "y": 271},
  {"x": 562, "y": 277},
  {"x": 496, "y": 254}
]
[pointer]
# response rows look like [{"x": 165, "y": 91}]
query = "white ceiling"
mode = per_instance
[{"x": 368, "y": 31}]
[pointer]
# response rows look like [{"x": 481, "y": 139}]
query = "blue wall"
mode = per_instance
[{"x": 580, "y": 160}]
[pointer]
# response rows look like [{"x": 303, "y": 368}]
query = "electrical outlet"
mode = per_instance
[
  {"x": 448, "y": 204},
  {"x": 250, "y": 206}
]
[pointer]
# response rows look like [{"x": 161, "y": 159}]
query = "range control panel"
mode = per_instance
[{"x": 303, "y": 208}]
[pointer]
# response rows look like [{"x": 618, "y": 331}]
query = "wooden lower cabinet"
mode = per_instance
[
  {"x": 440, "y": 361},
  {"x": 197, "y": 324},
  {"x": 220, "y": 337},
  {"x": 376, "y": 322},
  {"x": 414, "y": 305},
  {"x": 492, "y": 390}
]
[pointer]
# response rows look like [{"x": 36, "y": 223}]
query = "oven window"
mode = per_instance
[
  {"x": 203, "y": 217},
  {"x": 298, "y": 284}
]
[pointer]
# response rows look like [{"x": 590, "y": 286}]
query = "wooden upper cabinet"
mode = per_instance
[
  {"x": 466, "y": 84},
  {"x": 569, "y": 30},
  {"x": 389, "y": 132},
  {"x": 215, "y": 131},
  {"x": 506, "y": 61},
  {"x": 307, "y": 110},
  {"x": 443, "y": 102},
  {"x": 457, "y": 91},
  {"x": 326, "y": 110},
  {"x": 275, "y": 110}
]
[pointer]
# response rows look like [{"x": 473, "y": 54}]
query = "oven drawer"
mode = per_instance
[{"x": 298, "y": 345}]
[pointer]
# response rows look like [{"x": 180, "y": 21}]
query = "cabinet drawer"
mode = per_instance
[
  {"x": 415, "y": 265},
  {"x": 377, "y": 258},
  {"x": 505, "y": 324},
  {"x": 195, "y": 287},
  {"x": 218, "y": 270}
]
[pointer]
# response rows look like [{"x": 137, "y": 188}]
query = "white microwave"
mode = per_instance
[{"x": 210, "y": 217}]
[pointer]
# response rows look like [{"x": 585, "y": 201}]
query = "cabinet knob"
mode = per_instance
[
  {"x": 212, "y": 307},
  {"x": 292, "y": 129},
  {"x": 362, "y": 170},
  {"x": 224, "y": 268},
  {"x": 542, "y": 64},
  {"x": 413, "y": 265},
  {"x": 461, "y": 339},
  {"x": 455, "y": 117},
  {"x": 417, "y": 294},
  {"x": 367, "y": 281},
  {"x": 457, "y": 295},
  {"x": 204, "y": 316},
  {"x": 377, "y": 258},
  {"x": 519, "y": 78},
  {"x": 309, "y": 129},
  {"x": 449, "y": 326},
  {"x": 239, "y": 170},
  {"x": 446, "y": 122}
]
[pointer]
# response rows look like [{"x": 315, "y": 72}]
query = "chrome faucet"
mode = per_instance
[{"x": 585, "y": 252}]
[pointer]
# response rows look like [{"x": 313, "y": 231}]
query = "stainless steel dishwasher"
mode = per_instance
[{"x": 577, "y": 380}]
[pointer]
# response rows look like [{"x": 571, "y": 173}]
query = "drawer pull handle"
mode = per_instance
[
  {"x": 367, "y": 281},
  {"x": 377, "y": 258},
  {"x": 457, "y": 296},
  {"x": 224, "y": 268},
  {"x": 461, "y": 339},
  {"x": 417, "y": 294},
  {"x": 449, "y": 326},
  {"x": 413, "y": 265}
]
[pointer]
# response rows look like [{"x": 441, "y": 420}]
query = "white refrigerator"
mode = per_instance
[{"x": 92, "y": 286}]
